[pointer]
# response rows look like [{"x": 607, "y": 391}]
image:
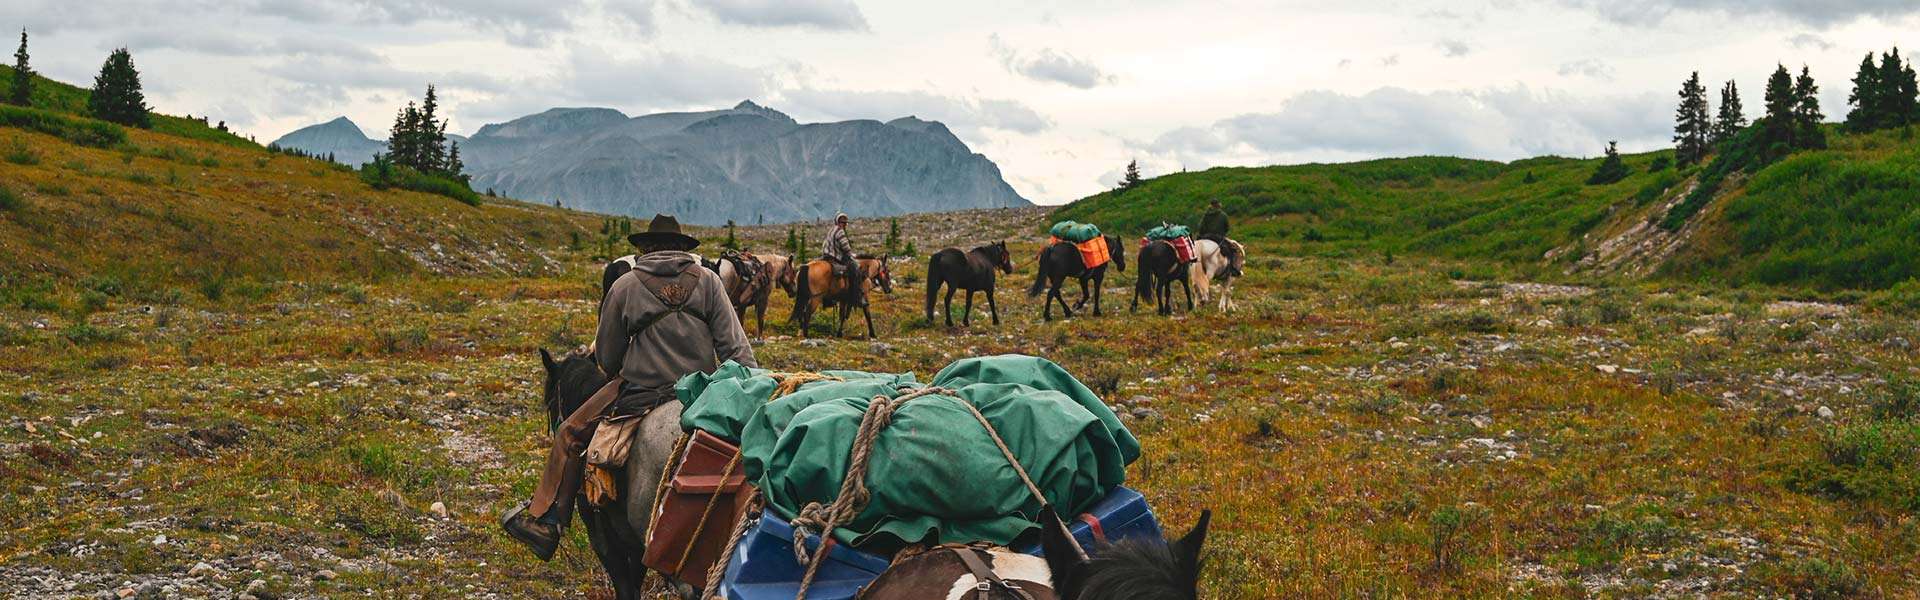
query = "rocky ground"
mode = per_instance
[{"x": 1361, "y": 428}]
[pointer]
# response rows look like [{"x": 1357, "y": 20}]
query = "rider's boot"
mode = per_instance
[{"x": 539, "y": 535}]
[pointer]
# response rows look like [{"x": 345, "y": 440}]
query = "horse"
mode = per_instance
[
  {"x": 971, "y": 271},
  {"x": 1062, "y": 260},
  {"x": 1217, "y": 265},
  {"x": 1159, "y": 268},
  {"x": 617, "y": 531},
  {"x": 1134, "y": 568},
  {"x": 748, "y": 282},
  {"x": 817, "y": 286}
]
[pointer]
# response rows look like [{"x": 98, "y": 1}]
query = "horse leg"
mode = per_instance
[
  {"x": 840, "y": 330},
  {"x": 948, "y": 309},
  {"x": 1189, "y": 290},
  {"x": 966, "y": 318},
  {"x": 868, "y": 314},
  {"x": 1083, "y": 294},
  {"x": 1099, "y": 289},
  {"x": 993, "y": 309}
]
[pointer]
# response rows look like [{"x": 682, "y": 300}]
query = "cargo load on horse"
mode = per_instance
[
  {"x": 984, "y": 454},
  {"x": 1177, "y": 236},
  {"x": 1075, "y": 232}
]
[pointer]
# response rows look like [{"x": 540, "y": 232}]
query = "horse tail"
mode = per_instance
[
  {"x": 933, "y": 282},
  {"x": 1039, "y": 273},
  {"x": 1143, "y": 285},
  {"x": 803, "y": 283}
]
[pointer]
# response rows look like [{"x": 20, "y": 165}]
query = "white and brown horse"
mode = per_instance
[
  {"x": 749, "y": 284},
  {"x": 1216, "y": 267}
]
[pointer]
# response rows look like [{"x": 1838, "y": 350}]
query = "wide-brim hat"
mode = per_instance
[{"x": 664, "y": 231}]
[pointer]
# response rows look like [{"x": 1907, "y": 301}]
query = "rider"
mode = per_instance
[
  {"x": 838, "y": 250},
  {"x": 1213, "y": 226},
  {"x": 662, "y": 320}
]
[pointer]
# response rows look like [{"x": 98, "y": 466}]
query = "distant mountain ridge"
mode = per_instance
[{"x": 748, "y": 163}]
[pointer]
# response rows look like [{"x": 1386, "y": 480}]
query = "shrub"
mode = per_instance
[
  {"x": 18, "y": 153},
  {"x": 82, "y": 334},
  {"x": 1810, "y": 579},
  {"x": 1872, "y": 461},
  {"x": 8, "y": 199},
  {"x": 85, "y": 132},
  {"x": 1903, "y": 298},
  {"x": 382, "y": 174}
]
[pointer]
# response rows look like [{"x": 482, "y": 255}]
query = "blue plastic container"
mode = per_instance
[{"x": 762, "y": 566}]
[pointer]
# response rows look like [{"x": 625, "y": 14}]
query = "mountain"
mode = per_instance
[
  {"x": 748, "y": 163},
  {"x": 1762, "y": 226},
  {"x": 339, "y": 137}
]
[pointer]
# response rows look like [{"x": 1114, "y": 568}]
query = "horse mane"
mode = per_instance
[
  {"x": 576, "y": 370},
  {"x": 1141, "y": 569}
]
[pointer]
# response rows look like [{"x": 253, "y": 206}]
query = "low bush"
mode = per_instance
[
  {"x": 85, "y": 132},
  {"x": 1872, "y": 461},
  {"x": 8, "y": 200},
  {"x": 383, "y": 175}
]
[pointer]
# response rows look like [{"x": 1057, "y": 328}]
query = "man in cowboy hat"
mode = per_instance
[
  {"x": 662, "y": 320},
  {"x": 839, "y": 251}
]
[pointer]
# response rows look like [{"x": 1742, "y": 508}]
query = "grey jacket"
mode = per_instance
[
  {"x": 837, "y": 246},
  {"x": 698, "y": 337}
]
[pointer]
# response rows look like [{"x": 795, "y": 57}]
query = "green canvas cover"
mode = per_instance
[
  {"x": 738, "y": 392},
  {"x": 935, "y": 474},
  {"x": 1168, "y": 232},
  {"x": 1074, "y": 232}
]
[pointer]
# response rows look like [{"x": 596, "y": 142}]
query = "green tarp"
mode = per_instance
[
  {"x": 1168, "y": 232},
  {"x": 1074, "y": 232},
  {"x": 935, "y": 474}
]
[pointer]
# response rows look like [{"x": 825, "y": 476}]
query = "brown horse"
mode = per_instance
[
  {"x": 816, "y": 287},
  {"x": 749, "y": 283}
]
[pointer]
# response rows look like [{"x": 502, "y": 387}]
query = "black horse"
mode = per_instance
[
  {"x": 971, "y": 271},
  {"x": 1062, "y": 260},
  {"x": 1134, "y": 568},
  {"x": 1160, "y": 266},
  {"x": 618, "y": 530}
]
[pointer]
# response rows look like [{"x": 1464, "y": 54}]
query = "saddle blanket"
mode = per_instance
[{"x": 1182, "y": 247}]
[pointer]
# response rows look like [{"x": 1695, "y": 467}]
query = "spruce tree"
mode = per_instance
[
  {"x": 1867, "y": 98},
  {"x": 432, "y": 135},
  {"x": 1733, "y": 116},
  {"x": 1612, "y": 169},
  {"x": 1806, "y": 112},
  {"x": 1132, "y": 178},
  {"x": 1778, "y": 126},
  {"x": 733, "y": 242},
  {"x": 116, "y": 95},
  {"x": 1897, "y": 102},
  {"x": 1691, "y": 126},
  {"x": 21, "y": 93},
  {"x": 892, "y": 243},
  {"x": 454, "y": 168}
]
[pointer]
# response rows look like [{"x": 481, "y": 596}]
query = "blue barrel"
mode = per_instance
[{"x": 762, "y": 566}]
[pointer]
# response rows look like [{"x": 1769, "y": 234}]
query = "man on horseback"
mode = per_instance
[
  {"x": 1213, "y": 226},
  {"x": 665, "y": 318},
  {"x": 839, "y": 251}
]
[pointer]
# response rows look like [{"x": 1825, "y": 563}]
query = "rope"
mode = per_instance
[
  {"x": 853, "y": 495},
  {"x": 719, "y": 568},
  {"x": 791, "y": 382},
  {"x": 666, "y": 474}
]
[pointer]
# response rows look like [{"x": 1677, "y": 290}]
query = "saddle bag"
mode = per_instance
[{"x": 704, "y": 498}]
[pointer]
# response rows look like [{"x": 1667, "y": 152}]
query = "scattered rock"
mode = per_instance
[
  {"x": 326, "y": 574},
  {"x": 1142, "y": 412},
  {"x": 160, "y": 540},
  {"x": 200, "y": 569},
  {"x": 125, "y": 592},
  {"x": 1481, "y": 421},
  {"x": 1824, "y": 412},
  {"x": 881, "y": 348},
  {"x": 1608, "y": 369},
  {"x": 439, "y": 509}
]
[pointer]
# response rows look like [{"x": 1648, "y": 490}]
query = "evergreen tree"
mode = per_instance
[
  {"x": 733, "y": 242},
  {"x": 1733, "y": 116},
  {"x": 432, "y": 135},
  {"x": 1778, "y": 127},
  {"x": 21, "y": 94},
  {"x": 116, "y": 95},
  {"x": 1867, "y": 98},
  {"x": 456, "y": 169},
  {"x": 1691, "y": 126},
  {"x": 892, "y": 243},
  {"x": 1132, "y": 178},
  {"x": 793, "y": 244},
  {"x": 1612, "y": 169},
  {"x": 1897, "y": 102},
  {"x": 403, "y": 142},
  {"x": 1806, "y": 112}
]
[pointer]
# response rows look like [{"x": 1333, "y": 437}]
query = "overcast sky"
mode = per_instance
[{"x": 1059, "y": 94}]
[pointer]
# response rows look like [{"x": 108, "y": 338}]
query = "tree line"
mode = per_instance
[{"x": 1884, "y": 97}]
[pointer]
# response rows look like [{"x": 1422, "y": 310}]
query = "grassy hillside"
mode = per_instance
[
  {"x": 1839, "y": 218},
  {"x": 188, "y": 208}
]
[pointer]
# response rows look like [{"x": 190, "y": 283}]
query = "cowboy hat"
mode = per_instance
[{"x": 664, "y": 232}]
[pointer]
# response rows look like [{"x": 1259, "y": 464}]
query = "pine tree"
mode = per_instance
[
  {"x": 1806, "y": 112},
  {"x": 21, "y": 93},
  {"x": 1897, "y": 102},
  {"x": 456, "y": 169},
  {"x": 1867, "y": 98},
  {"x": 733, "y": 242},
  {"x": 432, "y": 135},
  {"x": 1691, "y": 126},
  {"x": 1733, "y": 116},
  {"x": 116, "y": 95},
  {"x": 1778, "y": 127},
  {"x": 1612, "y": 169},
  {"x": 892, "y": 243},
  {"x": 1132, "y": 178},
  {"x": 403, "y": 142},
  {"x": 793, "y": 243}
]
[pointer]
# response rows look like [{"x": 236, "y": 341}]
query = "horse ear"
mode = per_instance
[
  {"x": 546, "y": 360},
  {"x": 1063, "y": 553},
  {"x": 1188, "y": 548}
]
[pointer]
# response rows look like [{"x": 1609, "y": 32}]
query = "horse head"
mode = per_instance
[
  {"x": 881, "y": 276},
  {"x": 1002, "y": 257},
  {"x": 1119, "y": 252},
  {"x": 1236, "y": 265},
  {"x": 569, "y": 381},
  {"x": 1130, "y": 568}
]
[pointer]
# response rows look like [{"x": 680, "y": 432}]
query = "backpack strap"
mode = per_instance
[{"x": 675, "y": 292}]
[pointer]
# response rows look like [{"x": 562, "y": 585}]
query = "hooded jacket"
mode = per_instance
[{"x": 652, "y": 345}]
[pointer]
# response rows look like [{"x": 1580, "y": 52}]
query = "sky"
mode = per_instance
[{"x": 1060, "y": 94}]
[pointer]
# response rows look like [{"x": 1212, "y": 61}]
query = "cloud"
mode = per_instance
[
  {"x": 1587, "y": 67},
  {"x": 1049, "y": 65},
  {"x": 343, "y": 74},
  {"x": 1499, "y": 124},
  {"x": 965, "y": 114},
  {"x": 840, "y": 15},
  {"x": 1391, "y": 60},
  {"x": 1454, "y": 48},
  {"x": 1815, "y": 13},
  {"x": 1808, "y": 40},
  {"x": 661, "y": 80}
]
